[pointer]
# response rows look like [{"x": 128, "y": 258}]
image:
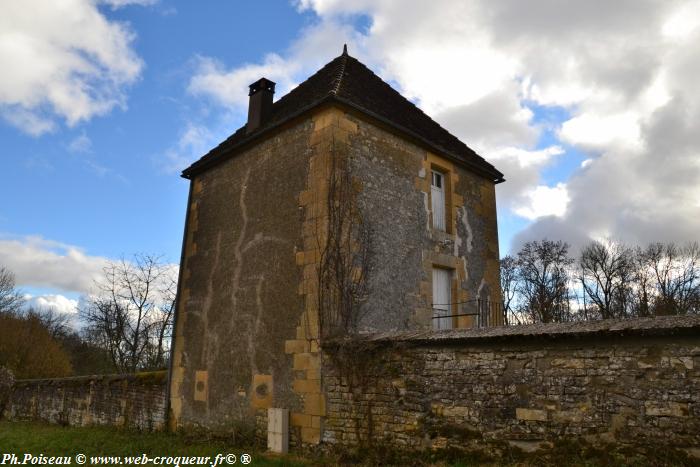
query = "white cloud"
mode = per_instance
[
  {"x": 38, "y": 262},
  {"x": 62, "y": 59},
  {"x": 682, "y": 22},
  {"x": 601, "y": 131},
  {"x": 27, "y": 120},
  {"x": 544, "y": 201},
  {"x": 493, "y": 122},
  {"x": 525, "y": 158},
  {"x": 228, "y": 87},
  {"x": 55, "y": 302},
  {"x": 80, "y": 144},
  {"x": 523, "y": 173},
  {"x": 122, "y": 3},
  {"x": 194, "y": 141}
]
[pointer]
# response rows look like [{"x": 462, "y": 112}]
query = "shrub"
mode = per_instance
[{"x": 28, "y": 349}]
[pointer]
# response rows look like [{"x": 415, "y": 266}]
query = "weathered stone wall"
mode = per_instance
[
  {"x": 612, "y": 381},
  {"x": 393, "y": 177},
  {"x": 134, "y": 401},
  {"x": 239, "y": 301},
  {"x": 385, "y": 167},
  {"x": 247, "y": 329}
]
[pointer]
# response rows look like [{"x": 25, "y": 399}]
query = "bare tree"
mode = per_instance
[
  {"x": 543, "y": 280},
  {"x": 606, "y": 276},
  {"x": 643, "y": 290},
  {"x": 611, "y": 281},
  {"x": 688, "y": 289},
  {"x": 509, "y": 278},
  {"x": 57, "y": 324},
  {"x": 10, "y": 298},
  {"x": 129, "y": 316},
  {"x": 104, "y": 329},
  {"x": 161, "y": 323},
  {"x": 676, "y": 275}
]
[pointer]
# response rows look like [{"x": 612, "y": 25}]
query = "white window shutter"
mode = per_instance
[
  {"x": 437, "y": 195},
  {"x": 442, "y": 298}
]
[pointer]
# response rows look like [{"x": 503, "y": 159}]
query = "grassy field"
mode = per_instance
[
  {"x": 49, "y": 440},
  {"x": 21, "y": 438}
]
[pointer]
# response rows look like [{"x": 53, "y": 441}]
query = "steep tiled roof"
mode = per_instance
[{"x": 347, "y": 81}]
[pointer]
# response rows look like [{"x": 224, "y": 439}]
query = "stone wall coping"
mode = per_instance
[
  {"x": 657, "y": 326},
  {"x": 150, "y": 377}
]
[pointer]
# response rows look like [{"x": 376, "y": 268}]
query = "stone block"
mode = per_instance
[
  {"x": 315, "y": 404},
  {"x": 314, "y": 348},
  {"x": 322, "y": 135},
  {"x": 456, "y": 411},
  {"x": 527, "y": 446},
  {"x": 300, "y": 419},
  {"x": 301, "y": 361},
  {"x": 531, "y": 414},
  {"x": 670, "y": 409},
  {"x": 201, "y": 385},
  {"x": 310, "y": 435},
  {"x": 567, "y": 416},
  {"x": 308, "y": 288},
  {"x": 278, "y": 430},
  {"x": 305, "y": 197},
  {"x": 307, "y": 385},
  {"x": 296, "y": 346},
  {"x": 261, "y": 398},
  {"x": 686, "y": 362},
  {"x": 310, "y": 228},
  {"x": 437, "y": 408},
  {"x": 346, "y": 124},
  {"x": 571, "y": 363}
]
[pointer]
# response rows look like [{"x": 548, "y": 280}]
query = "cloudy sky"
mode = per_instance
[{"x": 591, "y": 110}]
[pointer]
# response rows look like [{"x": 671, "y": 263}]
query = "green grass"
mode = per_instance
[{"x": 50, "y": 440}]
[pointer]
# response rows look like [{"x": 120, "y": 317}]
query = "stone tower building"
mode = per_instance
[{"x": 339, "y": 208}]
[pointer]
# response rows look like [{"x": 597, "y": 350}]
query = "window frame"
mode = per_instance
[
  {"x": 443, "y": 313},
  {"x": 439, "y": 222}
]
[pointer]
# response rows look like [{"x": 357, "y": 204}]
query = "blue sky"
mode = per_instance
[
  {"x": 100, "y": 184},
  {"x": 102, "y": 103}
]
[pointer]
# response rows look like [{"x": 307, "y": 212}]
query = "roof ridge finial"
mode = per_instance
[{"x": 345, "y": 49}]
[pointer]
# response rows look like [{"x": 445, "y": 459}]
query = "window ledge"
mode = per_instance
[{"x": 441, "y": 235}]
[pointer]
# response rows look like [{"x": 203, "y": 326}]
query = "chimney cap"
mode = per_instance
[{"x": 262, "y": 84}]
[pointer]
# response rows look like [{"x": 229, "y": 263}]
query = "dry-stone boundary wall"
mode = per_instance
[
  {"x": 134, "y": 401},
  {"x": 624, "y": 381}
]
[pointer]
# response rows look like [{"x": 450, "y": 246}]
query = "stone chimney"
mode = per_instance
[{"x": 260, "y": 105}]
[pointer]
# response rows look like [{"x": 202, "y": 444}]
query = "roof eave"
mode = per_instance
[
  {"x": 494, "y": 174},
  {"x": 211, "y": 158}
]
